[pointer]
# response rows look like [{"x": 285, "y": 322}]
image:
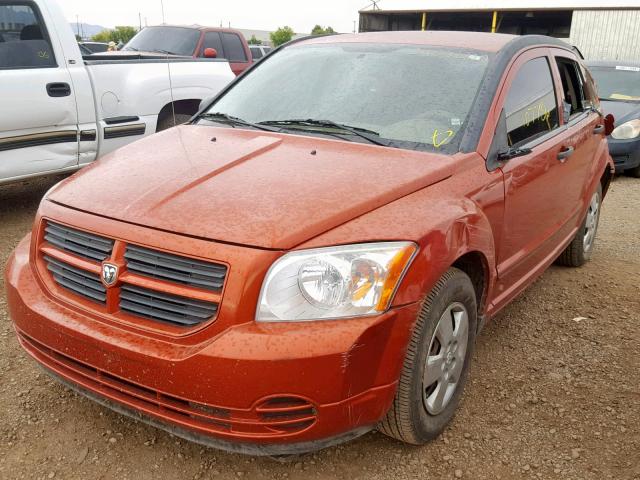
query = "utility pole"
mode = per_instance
[
  {"x": 139, "y": 21},
  {"x": 162, "y": 8},
  {"x": 78, "y": 25}
]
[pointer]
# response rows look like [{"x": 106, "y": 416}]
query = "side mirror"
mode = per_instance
[
  {"x": 210, "y": 53},
  {"x": 499, "y": 144},
  {"x": 609, "y": 124}
]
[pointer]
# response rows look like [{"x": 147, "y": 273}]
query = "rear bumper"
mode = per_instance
[
  {"x": 259, "y": 389},
  {"x": 625, "y": 153}
]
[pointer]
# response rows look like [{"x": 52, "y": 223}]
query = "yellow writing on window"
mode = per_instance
[{"x": 441, "y": 138}]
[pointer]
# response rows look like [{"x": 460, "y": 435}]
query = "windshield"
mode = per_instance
[
  {"x": 617, "y": 83},
  {"x": 413, "y": 95},
  {"x": 170, "y": 40}
]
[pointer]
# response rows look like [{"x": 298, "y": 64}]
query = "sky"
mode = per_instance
[{"x": 301, "y": 15}]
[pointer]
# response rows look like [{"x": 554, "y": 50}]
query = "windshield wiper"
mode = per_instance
[
  {"x": 369, "y": 135},
  {"x": 233, "y": 121},
  {"x": 166, "y": 52},
  {"x": 623, "y": 100}
]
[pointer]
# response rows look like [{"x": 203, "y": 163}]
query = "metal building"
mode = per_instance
[{"x": 601, "y": 29}]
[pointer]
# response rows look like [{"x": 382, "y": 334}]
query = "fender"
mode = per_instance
[{"x": 450, "y": 226}]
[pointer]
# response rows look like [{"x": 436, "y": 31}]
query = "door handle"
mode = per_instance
[
  {"x": 598, "y": 129},
  {"x": 565, "y": 153},
  {"x": 60, "y": 89}
]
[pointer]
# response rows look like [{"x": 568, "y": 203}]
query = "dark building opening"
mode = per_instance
[{"x": 555, "y": 23}]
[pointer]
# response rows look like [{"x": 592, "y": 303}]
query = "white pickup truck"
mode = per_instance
[{"x": 59, "y": 112}]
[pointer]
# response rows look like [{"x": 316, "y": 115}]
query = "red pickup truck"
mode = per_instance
[
  {"x": 194, "y": 41},
  {"x": 314, "y": 255}
]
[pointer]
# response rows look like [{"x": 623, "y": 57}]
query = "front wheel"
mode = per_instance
[
  {"x": 581, "y": 247},
  {"x": 436, "y": 363}
]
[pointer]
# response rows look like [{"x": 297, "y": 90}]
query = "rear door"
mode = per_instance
[
  {"x": 38, "y": 124},
  {"x": 585, "y": 129},
  {"x": 538, "y": 204}
]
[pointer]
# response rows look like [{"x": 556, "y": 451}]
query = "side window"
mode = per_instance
[
  {"x": 256, "y": 52},
  {"x": 212, "y": 40},
  {"x": 24, "y": 42},
  {"x": 575, "y": 100},
  {"x": 233, "y": 48},
  {"x": 531, "y": 108}
]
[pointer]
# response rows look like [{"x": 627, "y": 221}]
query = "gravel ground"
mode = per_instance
[{"x": 554, "y": 390}]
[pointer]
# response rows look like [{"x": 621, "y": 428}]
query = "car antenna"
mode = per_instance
[{"x": 173, "y": 103}]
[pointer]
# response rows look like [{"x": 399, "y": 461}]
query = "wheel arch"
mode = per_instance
[
  {"x": 605, "y": 179},
  {"x": 185, "y": 106},
  {"x": 465, "y": 242}
]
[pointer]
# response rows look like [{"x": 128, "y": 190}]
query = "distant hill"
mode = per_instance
[{"x": 86, "y": 30}]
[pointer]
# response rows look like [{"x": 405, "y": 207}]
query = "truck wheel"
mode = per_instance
[
  {"x": 633, "y": 172},
  {"x": 581, "y": 247},
  {"x": 436, "y": 364},
  {"x": 168, "y": 122}
]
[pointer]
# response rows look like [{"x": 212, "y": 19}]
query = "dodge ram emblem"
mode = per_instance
[{"x": 109, "y": 274}]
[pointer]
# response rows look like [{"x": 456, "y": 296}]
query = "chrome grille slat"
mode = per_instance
[
  {"x": 174, "y": 268},
  {"x": 83, "y": 244},
  {"x": 83, "y": 283},
  {"x": 160, "y": 306}
]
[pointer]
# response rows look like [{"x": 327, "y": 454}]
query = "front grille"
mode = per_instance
[
  {"x": 173, "y": 268},
  {"x": 81, "y": 282},
  {"x": 154, "y": 305},
  {"x": 82, "y": 244},
  {"x": 176, "y": 291}
]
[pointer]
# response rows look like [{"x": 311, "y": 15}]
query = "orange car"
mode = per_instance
[{"x": 313, "y": 255}]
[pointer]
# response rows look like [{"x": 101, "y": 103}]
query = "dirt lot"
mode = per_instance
[{"x": 551, "y": 395}]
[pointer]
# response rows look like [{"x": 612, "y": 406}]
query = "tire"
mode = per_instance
[
  {"x": 167, "y": 121},
  {"x": 633, "y": 172},
  {"x": 581, "y": 247},
  {"x": 415, "y": 416}
]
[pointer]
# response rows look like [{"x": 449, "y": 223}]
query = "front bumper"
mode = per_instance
[
  {"x": 625, "y": 153},
  {"x": 252, "y": 388}
]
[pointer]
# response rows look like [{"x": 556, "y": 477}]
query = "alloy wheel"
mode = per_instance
[
  {"x": 591, "y": 222},
  {"x": 445, "y": 360}
]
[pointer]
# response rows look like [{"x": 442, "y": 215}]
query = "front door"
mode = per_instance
[
  {"x": 38, "y": 124},
  {"x": 538, "y": 204}
]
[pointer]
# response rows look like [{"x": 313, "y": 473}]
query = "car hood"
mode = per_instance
[
  {"x": 247, "y": 187},
  {"x": 621, "y": 111}
]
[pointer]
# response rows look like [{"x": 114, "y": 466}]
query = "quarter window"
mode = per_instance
[
  {"x": 233, "y": 48},
  {"x": 531, "y": 108},
  {"x": 24, "y": 42}
]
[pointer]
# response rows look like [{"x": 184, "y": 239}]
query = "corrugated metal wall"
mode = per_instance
[{"x": 607, "y": 34}]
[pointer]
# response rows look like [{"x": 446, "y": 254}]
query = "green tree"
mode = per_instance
[
  {"x": 254, "y": 41},
  {"x": 281, "y": 35},
  {"x": 319, "y": 30},
  {"x": 119, "y": 34}
]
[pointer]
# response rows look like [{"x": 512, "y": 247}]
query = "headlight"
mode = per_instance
[
  {"x": 334, "y": 282},
  {"x": 627, "y": 130}
]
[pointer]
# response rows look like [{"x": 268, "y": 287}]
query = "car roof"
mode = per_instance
[
  {"x": 611, "y": 63},
  {"x": 195, "y": 26},
  {"x": 489, "y": 42}
]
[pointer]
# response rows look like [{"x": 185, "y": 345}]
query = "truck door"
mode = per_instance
[{"x": 38, "y": 119}]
